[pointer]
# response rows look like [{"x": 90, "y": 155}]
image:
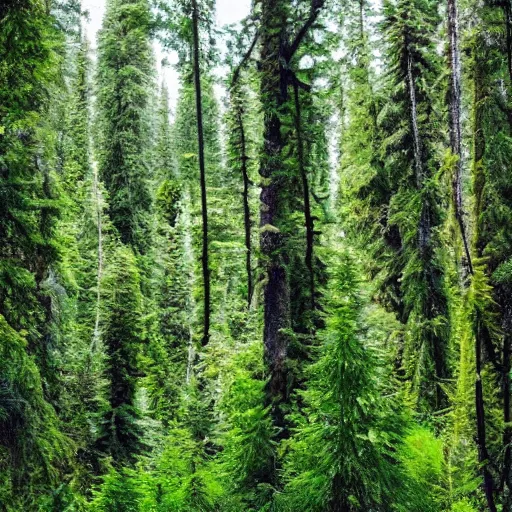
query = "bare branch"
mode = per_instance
[
  {"x": 247, "y": 56},
  {"x": 316, "y": 5}
]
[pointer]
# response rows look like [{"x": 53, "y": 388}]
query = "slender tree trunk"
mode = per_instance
[
  {"x": 361, "y": 20},
  {"x": 418, "y": 162},
  {"x": 204, "y": 204},
  {"x": 247, "y": 209},
  {"x": 99, "y": 221},
  {"x": 424, "y": 228},
  {"x": 455, "y": 122},
  {"x": 308, "y": 219},
  {"x": 424, "y": 235},
  {"x": 189, "y": 257},
  {"x": 239, "y": 109}
]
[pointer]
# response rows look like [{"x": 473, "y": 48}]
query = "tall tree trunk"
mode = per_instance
[
  {"x": 424, "y": 235},
  {"x": 277, "y": 51},
  {"x": 273, "y": 204},
  {"x": 308, "y": 219},
  {"x": 455, "y": 122},
  {"x": 418, "y": 162},
  {"x": 202, "y": 171}
]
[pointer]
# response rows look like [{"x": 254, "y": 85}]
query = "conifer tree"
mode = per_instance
[
  {"x": 125, "y": 74},
  {"x": 118, "y": 432},
  {"x": 276, "y": 192},
  {"x": 343, "y": 452},
  {"x": 414, "y": 197},
  {"x": 31, "y": 444}
]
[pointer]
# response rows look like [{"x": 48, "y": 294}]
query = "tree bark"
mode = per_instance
[
  {"x": 277, "y": 51},
  {"x": 273, "y": 201},
  {"x": 202, "y": 171}
]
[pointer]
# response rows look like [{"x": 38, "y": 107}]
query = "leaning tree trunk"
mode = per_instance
[{"x": 202, "y": 177}]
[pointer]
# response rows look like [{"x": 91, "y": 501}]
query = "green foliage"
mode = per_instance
[
  {"x": 424, "y": 467},
  {"x": 362, "y": 397},
  {"x": 33, "y": 449},
  {"x": 342, "y": 455},
  {"x": 32, "y": 446},
  {"x": 246, "y": 432},
  {"x": 118, "y": 432},
  {"x": 167, "y": 197},
  {"x": 125, "y": 75},
  {"x": 119, "y": 492}
]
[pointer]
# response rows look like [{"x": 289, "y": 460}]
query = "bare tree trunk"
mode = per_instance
[
  {"x": 455, "y": 123},
  {"x": 204, "y": 204},
  {"x": 247, "y": 209},
  {"x": 424, "y": 228},
  {"x": 308, "y": 219}
]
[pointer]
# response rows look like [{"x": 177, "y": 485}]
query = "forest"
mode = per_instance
[{"x": 291, "y": 291}]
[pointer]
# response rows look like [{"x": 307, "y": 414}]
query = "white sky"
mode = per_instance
[{"x": 228, "y": 11}]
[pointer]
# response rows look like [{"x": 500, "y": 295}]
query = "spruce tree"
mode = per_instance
[
  {"x": 118, "y": 431},
  {"x": 414, "y": 199},
  {"x": 125, "y": 76},
  {"x": 32, "y": 445},
  {"x": 343, "y": 452}
]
